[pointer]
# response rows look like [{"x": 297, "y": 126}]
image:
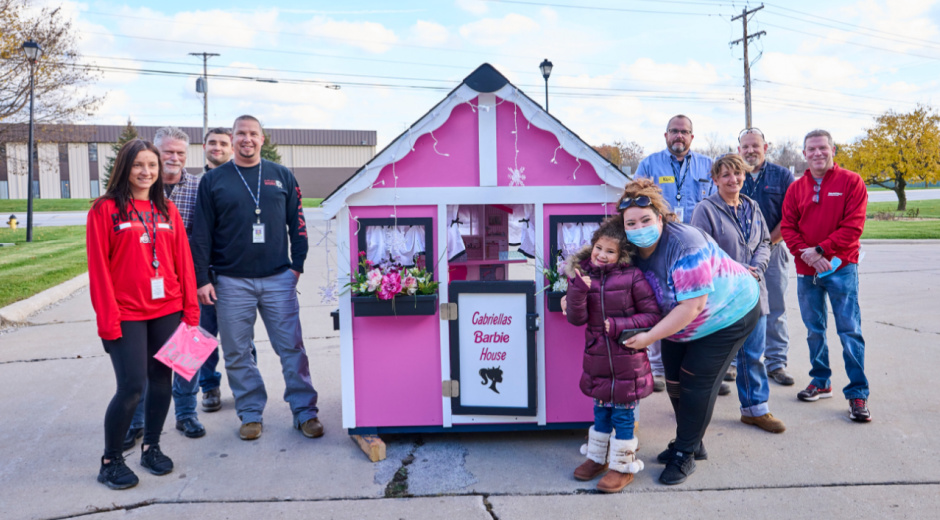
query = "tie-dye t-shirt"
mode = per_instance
[{"x": 688, "y": 263}]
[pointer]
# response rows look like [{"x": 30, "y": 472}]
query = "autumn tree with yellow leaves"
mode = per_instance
[{"x": 899, "y": 150}]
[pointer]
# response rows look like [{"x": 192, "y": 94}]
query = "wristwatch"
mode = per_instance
[{"x": 820, "y": 250}]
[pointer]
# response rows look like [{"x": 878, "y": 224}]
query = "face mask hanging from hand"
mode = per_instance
[{"x": 643, "y": 237}]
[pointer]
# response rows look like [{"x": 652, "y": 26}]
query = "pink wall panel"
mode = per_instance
[
  {"x": 536, "y": 148},
  {"x": 564, "y": 343},
  {"x": 397, "y": 359},
  {"x": 459, "y": 137}
]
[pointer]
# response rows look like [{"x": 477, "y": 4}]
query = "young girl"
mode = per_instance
[
  {"x": 610, "y": 295},
  {"x": 142, "y": 284}
]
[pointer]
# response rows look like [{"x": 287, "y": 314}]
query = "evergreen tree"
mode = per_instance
[
  {"x": 128, "y": 134},
  {"x": 269, "y": 149}
]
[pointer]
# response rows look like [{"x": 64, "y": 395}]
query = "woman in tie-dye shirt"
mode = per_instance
[{"x": 710, "y": 304}]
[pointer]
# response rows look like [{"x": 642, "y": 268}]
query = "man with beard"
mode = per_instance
[
  {"x": 248, "y": 214},
  {"x": 767, "y": 184},
  {"x": 685, "y": 178}
]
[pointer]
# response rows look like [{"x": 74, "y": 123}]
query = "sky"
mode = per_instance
[{"x": 621, "y": 68}]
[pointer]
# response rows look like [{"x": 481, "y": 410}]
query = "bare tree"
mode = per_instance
[
  {"x": 714, "y": 146},
  {"x": 788, "y": 154},
  {"x": 622, "y": 154}
]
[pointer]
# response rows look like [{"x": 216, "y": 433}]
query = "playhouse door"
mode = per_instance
[{"x": 492, "y": 348}]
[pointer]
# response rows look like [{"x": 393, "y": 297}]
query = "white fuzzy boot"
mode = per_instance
[
  {"x": 596, "y": 451},
  {"x": 623, "y": 464}
]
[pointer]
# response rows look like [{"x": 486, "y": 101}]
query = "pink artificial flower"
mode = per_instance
[
  {"x": 391, "y": 286},
  {"x": 410, "y": 284},
  {"x": 374, "y": 279}
]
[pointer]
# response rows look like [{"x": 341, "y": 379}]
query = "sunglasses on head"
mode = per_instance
[
  {"x": 750, "y": 131},
  {"x": 641, "y": 202}
]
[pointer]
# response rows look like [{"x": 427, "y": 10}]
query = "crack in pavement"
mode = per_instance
[
  {"x": 483, "y": 496},
  {"x": 37, "y": 360}
]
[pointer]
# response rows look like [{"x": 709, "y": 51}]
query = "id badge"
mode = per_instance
[
  {"x": 680, "y": 213},
  {"x": 257, "y": 233},
  {"x": 156, "y": 288}
]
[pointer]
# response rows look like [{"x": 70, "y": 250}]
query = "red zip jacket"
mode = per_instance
[
  {"x": 120, "y": 270},
  {"x": 835, "y": 223}
]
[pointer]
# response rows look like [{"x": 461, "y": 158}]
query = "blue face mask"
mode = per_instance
[{"x": 643, "y": 237}]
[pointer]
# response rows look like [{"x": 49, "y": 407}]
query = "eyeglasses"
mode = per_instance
[
  {"x": 641, "y": 202},
  {"x": 816, "y": 195},
  {"x": 676, "y": 131},
  {"x": 750, "y": 131}
]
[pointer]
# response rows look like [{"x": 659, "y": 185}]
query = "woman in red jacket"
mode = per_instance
[
  {"x": 609, "y": 295},
  {"x": 142, "y": 285}
]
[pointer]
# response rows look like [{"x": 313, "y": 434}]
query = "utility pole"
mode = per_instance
[
  {"x": 747, "y": 64},
  {"x": 202, "y": 86}
]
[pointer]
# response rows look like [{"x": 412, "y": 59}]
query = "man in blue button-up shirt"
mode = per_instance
[
  {"x": 684, "y": 176},
  {"x": 767, "y": 184}
]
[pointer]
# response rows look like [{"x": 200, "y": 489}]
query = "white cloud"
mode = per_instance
[
  {"x": 498, "y": 31},
  {"x": 817, "y": 71},
  {"x": 476, "y": 7},
  {"x": 369, "y": 36},
  {"x": 428, "y": 33}
]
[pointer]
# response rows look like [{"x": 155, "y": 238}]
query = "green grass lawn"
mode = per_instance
[
  {"x": 55, "y": 255},
  {"x": 895, "y": 229},
  {"x": 928, "y": 208},
  {"x": 312, "y": 203},
  {"x": 8, "y": 206}
]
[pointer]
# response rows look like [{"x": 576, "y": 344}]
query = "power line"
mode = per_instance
[
  {"x": 884, "y": 49},
  {"x": 611, "y": 9},
  {"x": 814, "y": 17}
]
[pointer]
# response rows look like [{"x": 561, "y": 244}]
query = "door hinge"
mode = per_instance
[
  {"x": 532, "y": 321},
  {"x": 448, "y": 311},
  {"x": 450, "y": 388}
]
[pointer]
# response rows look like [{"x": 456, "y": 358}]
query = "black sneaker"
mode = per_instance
[
  {"x": 731, "y": 375},
  {"x": 116, "y": 474},
  {"x": 858, "y": 410},
  {"x": 212, "y": 400},
  {"x": 130, "y": 439},
  {"x": 154, "y": 460},
  {"x": 724, "y": 389},
  {"x": 812, "y": 393},
  {"x": 663, "y": 458},
  {"x": 679, "y": 467}
]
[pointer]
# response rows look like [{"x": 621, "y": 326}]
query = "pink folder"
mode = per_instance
[{"x": 186, "y": 350}]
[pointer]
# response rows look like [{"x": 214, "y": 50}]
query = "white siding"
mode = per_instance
[
  {"x": 329, "y": 156},
  {"x": 78, "y": 171},
  {"x": 49, "y": 187},
  {"x": 287, "y": 155},
  {"x": 194, "y": 157},
  {"x": 16, "y": 170}
]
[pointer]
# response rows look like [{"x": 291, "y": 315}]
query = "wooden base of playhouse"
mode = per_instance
[{"x": 373, "y": 446}]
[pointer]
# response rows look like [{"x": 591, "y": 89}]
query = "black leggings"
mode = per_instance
[
  {"x": 134, "y": 369},
  {"x": 694, "y": 370}
]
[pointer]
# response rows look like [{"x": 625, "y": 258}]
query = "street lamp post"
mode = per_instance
[
  {"x": 33, "y": 52},
  {"x": 546, "y": 67}
]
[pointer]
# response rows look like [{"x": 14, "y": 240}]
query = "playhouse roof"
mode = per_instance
[{"x": 485, "y": 79}]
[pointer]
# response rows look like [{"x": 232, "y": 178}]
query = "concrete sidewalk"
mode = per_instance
[{"x": 57, "y": 381}]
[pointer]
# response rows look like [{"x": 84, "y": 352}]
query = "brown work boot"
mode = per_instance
[
  {"x": 765, "y": 422},
  {"x": 589, "y": 470},
  {"x": 312, "y": 428},
  {"x": 250, "y": 431},
  {"x": 614, "y": 482}
]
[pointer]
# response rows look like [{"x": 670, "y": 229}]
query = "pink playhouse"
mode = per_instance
[{"x": 484, "y": 192}]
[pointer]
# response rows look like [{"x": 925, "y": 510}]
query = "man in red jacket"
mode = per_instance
[{"x": 823, "y": 219}]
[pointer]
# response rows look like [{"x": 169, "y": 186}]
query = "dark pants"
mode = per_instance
[
  {"x": 134, "y": 369},
  {"x": 694, "y": 370}
]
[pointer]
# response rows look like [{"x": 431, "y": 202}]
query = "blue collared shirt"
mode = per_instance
[
  {"x": 768, "y": 190},
  {"x": 693, "y": 175}
]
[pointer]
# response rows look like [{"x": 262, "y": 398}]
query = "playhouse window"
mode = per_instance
[
  {"x": 491, "y": 242},
  {"x": 569, "y": 234},
  {"x": 404, "y": 241}
]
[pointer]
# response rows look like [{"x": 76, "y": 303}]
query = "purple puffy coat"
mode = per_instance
[{"x": 620, "y": 292}]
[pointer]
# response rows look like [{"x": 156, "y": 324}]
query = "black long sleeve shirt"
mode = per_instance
[{"x": 225, "y": 214}]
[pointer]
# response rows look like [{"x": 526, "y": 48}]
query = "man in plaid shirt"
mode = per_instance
[{"x": 180, "y": 187}]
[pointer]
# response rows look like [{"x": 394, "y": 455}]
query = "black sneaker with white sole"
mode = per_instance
[
  {"x": 858, "y": 410},
  {"x": 812, "y": 393},
  {"x": 116, "y": 474},
  {"x": 154, "y": 460}
]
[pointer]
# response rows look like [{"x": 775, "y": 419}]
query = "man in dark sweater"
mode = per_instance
[{"x": 247, "y": 212}]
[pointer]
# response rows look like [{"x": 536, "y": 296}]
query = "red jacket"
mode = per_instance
[
  {"x": 835, "y": 223},
  {"x": 120, "y": 270},
  {"x": 619, "y": 292}
]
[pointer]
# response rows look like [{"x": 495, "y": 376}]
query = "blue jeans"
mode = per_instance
[
  {"x": 607, "y": 420},
  {"x": 778, "y": 338},
  {"x": 753, "y": 388},
  {"x": 275, "y": 298},
  {"x": 842, "y": 288},
  {"x": 209, "y": 379}
]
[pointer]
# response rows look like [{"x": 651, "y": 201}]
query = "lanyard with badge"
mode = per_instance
[
  {"x": 756, "y": 186},
  {"x": 257, "y": 229},
  {"x": 744, "y": 226},
  {"x": 156, "y": 283},
  {"x": 680, "y": 180}
]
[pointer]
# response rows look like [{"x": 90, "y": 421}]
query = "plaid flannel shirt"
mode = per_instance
[{"x": 184, "y": 196}]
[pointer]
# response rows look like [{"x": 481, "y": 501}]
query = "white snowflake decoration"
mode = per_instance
[
  {"x": 517, "y": 176},
  {"x": 328, "y": 293}
]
